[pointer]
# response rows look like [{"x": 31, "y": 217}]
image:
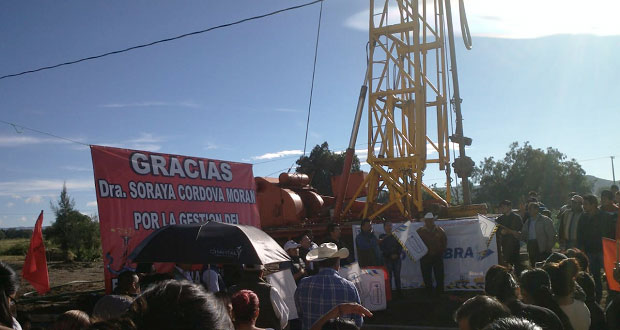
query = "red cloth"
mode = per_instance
[
  {"x": 610, "y": 257},
  {"x": 35, "y": 265}
]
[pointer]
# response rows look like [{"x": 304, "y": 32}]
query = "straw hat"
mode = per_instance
[{"x": 326, "y": 251}]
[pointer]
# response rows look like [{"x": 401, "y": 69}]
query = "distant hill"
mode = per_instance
[{"x": 598, "y": 184}]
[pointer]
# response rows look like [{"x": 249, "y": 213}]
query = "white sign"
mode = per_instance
[
  {"x": 284, "y": 282},
  {"x": 370, "y": 284},
  {"x": 409, "y": 238},
  {"x": 467, "y": 258}
]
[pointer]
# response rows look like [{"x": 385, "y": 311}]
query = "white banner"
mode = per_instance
[
  {"x": 408, "y": 237},
  {"x": 284, "y": 282},
  {"x": 370, "y": 284},
  {"x": 467, "y": 258}
]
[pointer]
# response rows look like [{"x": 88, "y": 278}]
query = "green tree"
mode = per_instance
[
  {"x": 75, "y": 233},
  {"x": 321, "y": 165},
  {"x": 525, "y": 169}
]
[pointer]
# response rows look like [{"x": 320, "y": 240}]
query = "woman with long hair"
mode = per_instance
[
  {"x": 536, "y": 290},
  {"x": 562, "y": 277},
  {"x": 9, "y": 283},
  {"x": 500, "y": 283}
]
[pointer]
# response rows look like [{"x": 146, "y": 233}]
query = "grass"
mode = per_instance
[{"x": 14, "y": 246}]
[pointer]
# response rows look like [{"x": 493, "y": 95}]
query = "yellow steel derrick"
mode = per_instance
[{"x": 407, "y": 94}]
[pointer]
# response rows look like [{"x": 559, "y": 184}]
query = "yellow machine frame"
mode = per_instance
[{"x": 407, "y": 85}]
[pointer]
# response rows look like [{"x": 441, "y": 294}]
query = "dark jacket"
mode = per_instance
[
  {"x": 542, "y": 316},
  {"x": 267, "y": 316},
  {"x": 389, "y": 246},
  {"x": 591, "y": 231},
  {"x": 368, "y": 253}
]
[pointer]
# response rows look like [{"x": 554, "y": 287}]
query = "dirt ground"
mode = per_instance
[{"x": 74, "y": 285}]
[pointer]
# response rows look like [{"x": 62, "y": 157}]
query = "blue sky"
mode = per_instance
[{"x": 539, "y": 72}]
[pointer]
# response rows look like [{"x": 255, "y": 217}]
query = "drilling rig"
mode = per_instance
[{"x": 411, "y": 106}]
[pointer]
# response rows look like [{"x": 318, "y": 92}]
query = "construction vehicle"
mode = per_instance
[{"x": 408, "y": 130}]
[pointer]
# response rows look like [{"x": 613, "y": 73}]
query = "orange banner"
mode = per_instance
[
  {"x": 610, "y": 254},
  {"x": 139, "y": 192}
]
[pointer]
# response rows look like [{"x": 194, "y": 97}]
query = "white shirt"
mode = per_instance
[
  {"x": 578, "y": 314},
  {"x": 279, "y": 307}
]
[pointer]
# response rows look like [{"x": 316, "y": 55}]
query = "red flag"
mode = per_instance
[
  {"x": 610, "y": 257},
  {"x": 35, "y": 265}
]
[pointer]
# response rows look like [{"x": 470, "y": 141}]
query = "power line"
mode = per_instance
[
  {"x": 15, "y": 126},
  {"x": 162, "y": 40},
  {"x": 316, "y": 50}
]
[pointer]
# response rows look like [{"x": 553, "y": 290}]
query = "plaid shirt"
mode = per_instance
[{"x": 317, "y": 294}]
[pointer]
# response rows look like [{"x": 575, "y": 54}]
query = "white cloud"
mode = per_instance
[
  {"x": 53, "y": 186},
  {"x": 22, "y": 140},
  {"x": 286, "y": 110},
  {"x": 23, "y": 219},
  {"x": 526, "y": 19},
  {"x": 151, "y": 104},
  {"x": 278, "y": 154},
  {"x": 10, "y": 204},
  {"x": 92, "y": 204},
  {"x": 36, "y": 199},
  {"x": 146, "y": 141},
  {"x": 211, "y": 146},
  {"x": 77, "y": 168}
]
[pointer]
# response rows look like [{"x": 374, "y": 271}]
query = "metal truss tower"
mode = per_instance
[{"x": 407, "y": 103}]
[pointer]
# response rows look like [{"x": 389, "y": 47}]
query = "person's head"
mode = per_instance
[
  {"x": 580, "y": 256},
  {"x": 614, "y": 188},
  {"x": 607, "y": 197},
  {"x": 562, "y": 276},
  {"x": 532, "y": 282},
  {"x": 532, "y": 194},
  {"x": 505, "y": 206},
  {"x": 327, "y": 255},
  {"x": 586, "y": 282},
  {"x": 245, "y": 307},
  {"x": 617, "y": 197},
  {"x": 72, "y": 320},
  {"x": 512, "y": 323},
  {"x": 9, "y": 283},
  {"x": 533, "y": 208},
  {"x": 292, "y": 248},
  {"x": 339, "y": 324},
  {"x": 500, "y": 283},
  {"x": 429, "y": 220},
  {"x": 555, "y": 257},
  {"x": 387, "y": 226},
  {"x": 128, "y": 283},
  {"x": 333, "y": 229},
  {"x": 590, "y": 203},
  {"x": 110, "y": 307},
  {"x": 366, "y": 226},
  {"x": 253, "y": 271},
  {"x": 576, "y": 203},
  {"x": 178, "y": 305},
  {"x": 570, "y": 195},
  {"x": 478, "y": 312},
  {"x": 305, "y": 242}
]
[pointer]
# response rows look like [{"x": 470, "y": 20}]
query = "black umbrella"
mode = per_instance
[{"x": 209, "y": 243}]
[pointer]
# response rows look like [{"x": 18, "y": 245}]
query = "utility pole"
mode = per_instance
[{"x": 613, "y": 172}]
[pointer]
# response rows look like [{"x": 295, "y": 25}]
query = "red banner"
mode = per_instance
[{"x": 139, "y": 192}]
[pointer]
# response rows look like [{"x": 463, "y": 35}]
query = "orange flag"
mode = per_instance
[
  {"x": 35, "y": 265},
  {"x": 610, "y": 254}
]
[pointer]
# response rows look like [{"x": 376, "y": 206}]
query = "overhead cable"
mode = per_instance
[{"x": 160, "y": 41}]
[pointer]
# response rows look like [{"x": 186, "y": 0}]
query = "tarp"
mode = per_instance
[
  {"x": 139, "y": 192},
  {"x": 469, "y": 255}
]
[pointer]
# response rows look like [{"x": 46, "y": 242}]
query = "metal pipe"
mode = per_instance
[
  {"x": 457, "y": 101},
  {"x": 348, "y": 160}
]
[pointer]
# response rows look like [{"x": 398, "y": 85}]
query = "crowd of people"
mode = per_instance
[{"x": 561, "y": 289}]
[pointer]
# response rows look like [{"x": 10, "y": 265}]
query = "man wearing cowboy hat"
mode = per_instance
[
  {"x": 434, "y": 237},
  {"x": 318, "y": 294}
]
